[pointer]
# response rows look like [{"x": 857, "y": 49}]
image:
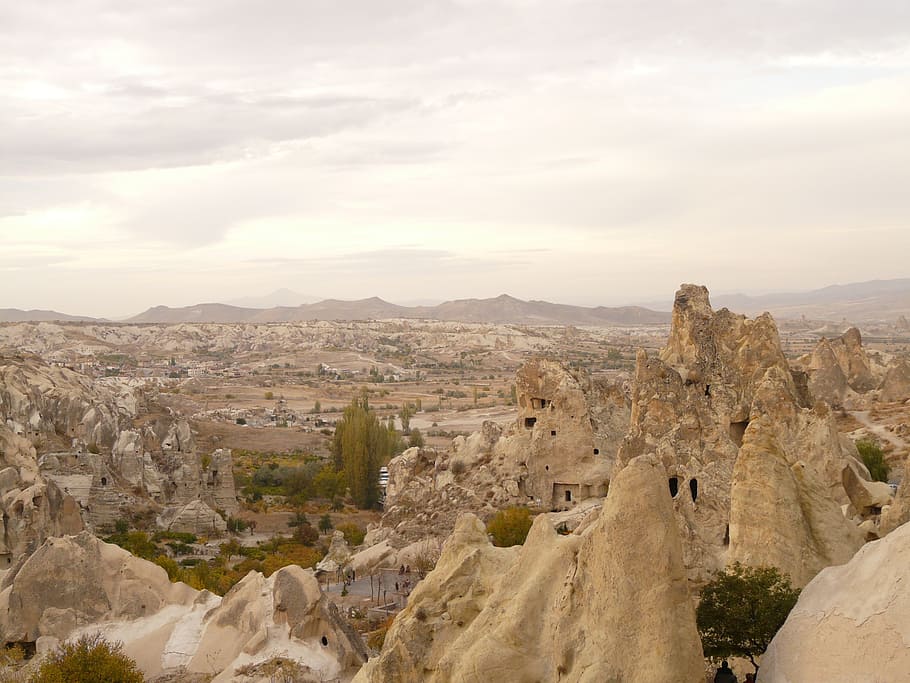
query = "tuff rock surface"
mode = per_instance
[
  {"x": 721, "y": 384},
  {"x": 851, "y": 623},
  {"x": 610, "y": 602},
  {"x": 78, "y": 583}
]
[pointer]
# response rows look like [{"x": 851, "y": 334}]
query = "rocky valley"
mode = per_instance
[{"x": 162, "y": 484}]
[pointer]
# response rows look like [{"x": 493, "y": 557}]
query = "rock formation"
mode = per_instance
[
  {"x": 896, "y": 384},
  {"x": 701, "y": 401},
  {"x": 52, "y": 403},
  {"x": 610, "y": 603},
  {"x": 781, "y": 513},
  {"x": 560, "y": 451},
  {"x": 851, "y": 623},
  {"x": 77, "y": 583},
  {"x": 32, "y": 508},
  {"x": 193, "y": 518}
]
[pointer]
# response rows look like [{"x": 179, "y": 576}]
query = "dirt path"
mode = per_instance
[{"x": 862, "y": 416}]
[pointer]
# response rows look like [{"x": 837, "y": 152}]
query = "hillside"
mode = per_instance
[{"x": 502, "y": 309}]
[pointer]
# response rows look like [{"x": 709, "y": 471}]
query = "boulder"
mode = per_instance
[
  {"x": 896, "y": 384},
  {"x": 851, "y": 623}
]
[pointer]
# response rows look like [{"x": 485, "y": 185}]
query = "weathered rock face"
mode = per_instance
[
  {"x": 78, "y": 583},
  {"x": 852, "y": 622},
  {"x": 157, "y": 465},
  {"x": 338, "y": 556},
  {"x": 898, "y": 512},
  {"x": 839, "y": 368},
  {"x": 608, "y": 603},
  {"x": 40, "y": 401},
  {"x": 896, "y": 384},
  {"x": 559, "y": 452},
  {"x": 781, "y": 514},
  {"x": 193, "y": 518},
  {"x": 32, "y": 508},
  {"x": 693, "y": 406}
]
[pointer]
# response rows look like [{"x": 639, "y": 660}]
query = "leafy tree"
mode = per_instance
[
  {"x": 328, "y": 483},
  {"x": 317, "y": 407},
  {"x": 873, "y": 459},
  {"x": 325, "y": 523},
  {"x": 407, "y": 411},
  {"x": 741, "y": 609},
  {"x": 510, "y": 526},
  {"x": 91, "y": 659},
  {"x": 360, "y": 446}
]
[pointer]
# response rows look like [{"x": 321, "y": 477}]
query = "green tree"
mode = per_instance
[
  {"x": 91, "y": 659},
  {"x": 325, "y": 523},
  {"x": 874, "y": 459},
  {"x": 317, "y": 407},
  {"x": 407, "y": 411},
  {"x": 741, "y": 609},
  {"x": 510, "y": 526},
  {"x": 360, "y": 447}
]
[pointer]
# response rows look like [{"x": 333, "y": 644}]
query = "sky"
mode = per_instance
[{"x": 588, "y": 152}]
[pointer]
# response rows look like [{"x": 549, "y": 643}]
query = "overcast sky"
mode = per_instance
[{"x": 178, "y": 151}]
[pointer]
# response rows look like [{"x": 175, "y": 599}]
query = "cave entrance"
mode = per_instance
[
  {"x": 693, "y": 489},
  {"x": 737, "y": 430},
  {"x": 674, "y": 486},
  {"x": 530, "y": 422}
]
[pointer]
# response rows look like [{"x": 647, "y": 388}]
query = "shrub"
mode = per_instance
[
  {"x": 510, "y": 526},
  {"x": 91, "y": 659},
  {"x": 353, "y": 534},
  {"x": 873, "y": 459}
]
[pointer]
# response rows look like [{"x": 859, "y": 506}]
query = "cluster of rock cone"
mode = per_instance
[{"x": 727, "y": 458}]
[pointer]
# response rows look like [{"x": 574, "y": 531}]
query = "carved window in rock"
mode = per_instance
[
  {"x": 693, "y": 489},
  {"x": 674, "y": 486},
  {"x": 539, "y": 403},
  {"x": 596, "y": 451},
  {"x": 104, "y": 481},
  {"x": 568, "y": 496},
  {"x": 530, "y": 422}
]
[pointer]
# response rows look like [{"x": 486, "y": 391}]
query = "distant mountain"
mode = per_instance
[
  {"x": 280, "y": 297},
  {"x": 505, "y": 308},
  {"x": 857, "y": 302},
  {"x": 200, "y": 313},
  {"x": 502, "y": 309},
  {"x": 15, "y": 315}
]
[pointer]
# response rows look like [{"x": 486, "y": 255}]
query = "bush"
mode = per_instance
[
  {"x": 510, "y": 526},
  {"x": 91, "y": 659},
  {"x": 353, "y": 534},
  {"x": 873, "y": 459}
]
